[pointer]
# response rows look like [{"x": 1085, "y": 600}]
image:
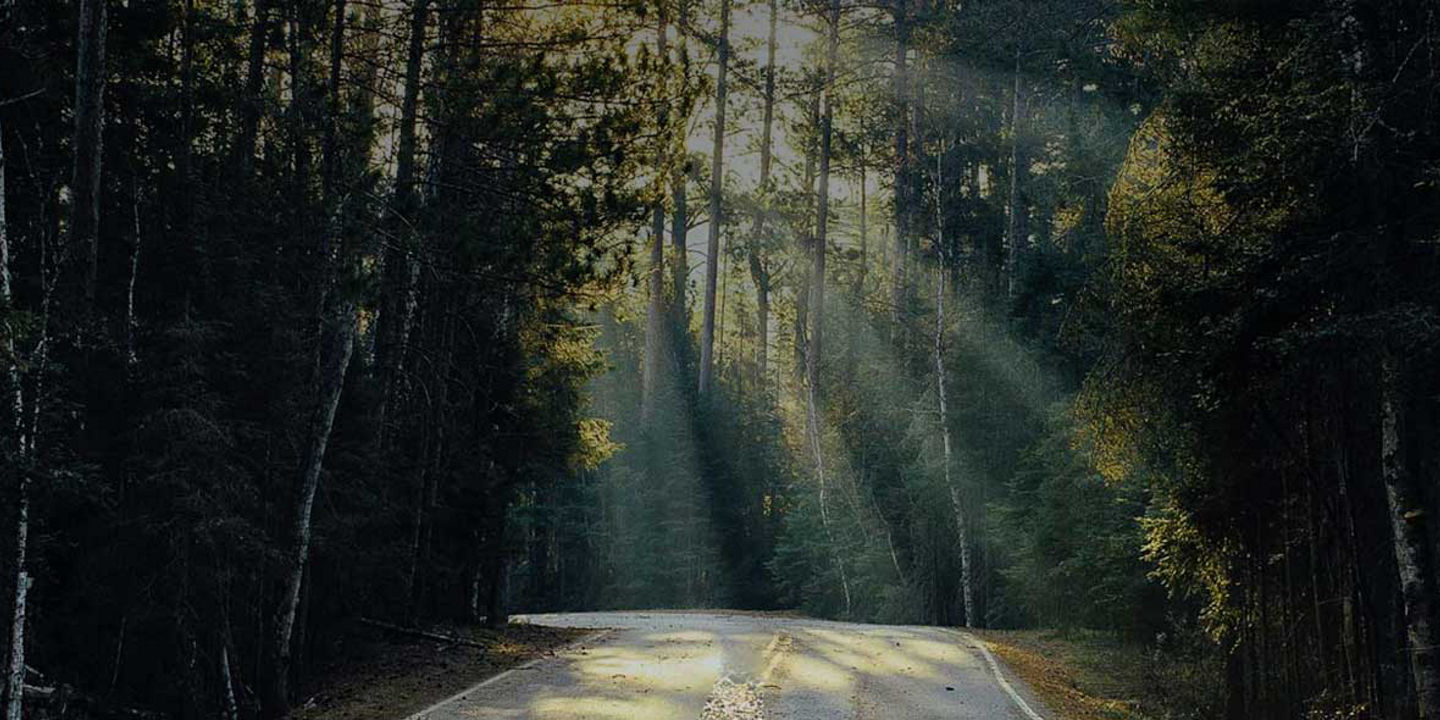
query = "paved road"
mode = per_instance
[{"x": 664, "y": 666}]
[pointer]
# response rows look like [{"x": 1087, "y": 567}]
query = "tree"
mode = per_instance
[{"x": 716, "y": 219}]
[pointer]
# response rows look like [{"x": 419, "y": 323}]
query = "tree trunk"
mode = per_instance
[
  {"x": 802, "y": 291},
  {"x": 1412, "y": 556},
  {"x": 759, "y": 270},
  {"x": 679, "y": 223},
  {"x": 655, "y": 315},
  {"x": 336, "y": 344},
  {"x": 254, "y": 84},
  {"x": 16, "y": 452},
  {"x": 817, "y": 299},
  {"x": 901, "y": 13},
  {"x": 860, "y": 273},
  {"x": 12, "y": 369},
  {"x": 401, "y": 271},
  {"x": 496, "y": 571},
  {"x": 15, "y": 686},
  {"x": 89, "y": 139},
  {"x": 654, "y": 320},
  {"x": 232, "y": 708},
  {"x": 130, "y": 280},
  {"x": 957, "y": 505},
  {"x": 822, "y": 215},
  {"x": 1014, "y": 203},
  {"x": 717, "y": 175}
]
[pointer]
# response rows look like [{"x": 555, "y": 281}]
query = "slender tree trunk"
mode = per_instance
[
  {"x": 330, "y": 159},
  {"x": 336, "y": 343},
  {"x": 680, "y": 220},
  {"x": 654, "y": 319},
  {"x": 717, "y": 176},
  {"x": 12, "y": 369},
  {"x": 15, "y": 686},
  {"x": 17, "y": 456},
  {"x": 957, "y": 505},
  {"x": 1412, "y": 556},
  {"x": 655, "y": 316},
  {"x": 130, "y": 280},
  {"x": 496, "y": 571},
  {"x": 759, "y": 271},
  {"x": 232, "y": 708},
  {"x": 1014, "y": 203},
  {"x": 802, "y": 290},
  {"x": 89, "y": 138},
  {"x": 401, "y": 270},
  {"x": 901, "y": 82},
  {"x": 860, "y": 273},
  {"x": 817, "y": 299},
  {"x": 254, "y": 85},
  {"x": 822, "y": 215},
  {"x": 191, "y": 267}
]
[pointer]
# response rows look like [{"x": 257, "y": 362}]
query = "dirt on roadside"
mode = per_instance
[{"x": 385, "y": 675}]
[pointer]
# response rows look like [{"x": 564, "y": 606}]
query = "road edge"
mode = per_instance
[
  {"x": 594, "y": 636},
  {"x": 1005, "y": 684}
]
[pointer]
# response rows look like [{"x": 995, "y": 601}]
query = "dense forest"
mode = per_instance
[{"x": 1004, "y": 313}]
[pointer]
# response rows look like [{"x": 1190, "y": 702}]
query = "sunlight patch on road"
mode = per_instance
[
  {"x": 669, "y": 667},
  {"x": 604, "y": 708}
]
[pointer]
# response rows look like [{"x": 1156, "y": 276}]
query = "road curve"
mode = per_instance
[{"x": 675, "y": 665}]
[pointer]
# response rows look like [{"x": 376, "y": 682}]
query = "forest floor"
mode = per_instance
[
  {"x": 383, "y": 675},
  {"x": 1086, "y": 675}
]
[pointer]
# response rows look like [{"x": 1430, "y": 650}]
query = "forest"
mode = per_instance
[{"x": 1092, "y": 315}]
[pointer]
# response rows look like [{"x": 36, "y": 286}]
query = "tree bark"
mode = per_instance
[
  {"x": 15, "y": 686},
  {"x": 759, "y": 270},
  {"x": 822, "y": 214},
  {"x": 1014, "y": 203},
  {"x": 1412, "y": 556},
  {"x": 232, "y": 708},
  {"x": 334, "y": 348},
  {"x": 401, "y": 271},
  {"x": 860, "y": 273},
  {"x": 679, "y": 178},
  {"x": 89, "y": 138},
  {"x": 717, "y": 175},
  {"x": 12, "y": 369},
  {"x": 654, "y": 319},
  {"x": 254, "y": 84},
  {"x": 957, "y": 505},
  {"x": 802, "y": 291},
  {"x": 655, "y": 314},
  {"x": 901, "y": 200},
  {"x": 336, "y": 344}
]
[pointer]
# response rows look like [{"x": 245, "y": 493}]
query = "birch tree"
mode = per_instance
[
  {"x": 1412, "y": 554},
  {"x": 14, "y": 456},
  {"x": 335, "y": 344}
]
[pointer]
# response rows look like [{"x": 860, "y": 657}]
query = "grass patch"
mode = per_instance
[
  {"x": 1094, "y": 676},
  {"x": 381, "y": 675}
]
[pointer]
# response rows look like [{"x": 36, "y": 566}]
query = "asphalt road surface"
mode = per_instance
[{"x": 731, "y": 666}]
